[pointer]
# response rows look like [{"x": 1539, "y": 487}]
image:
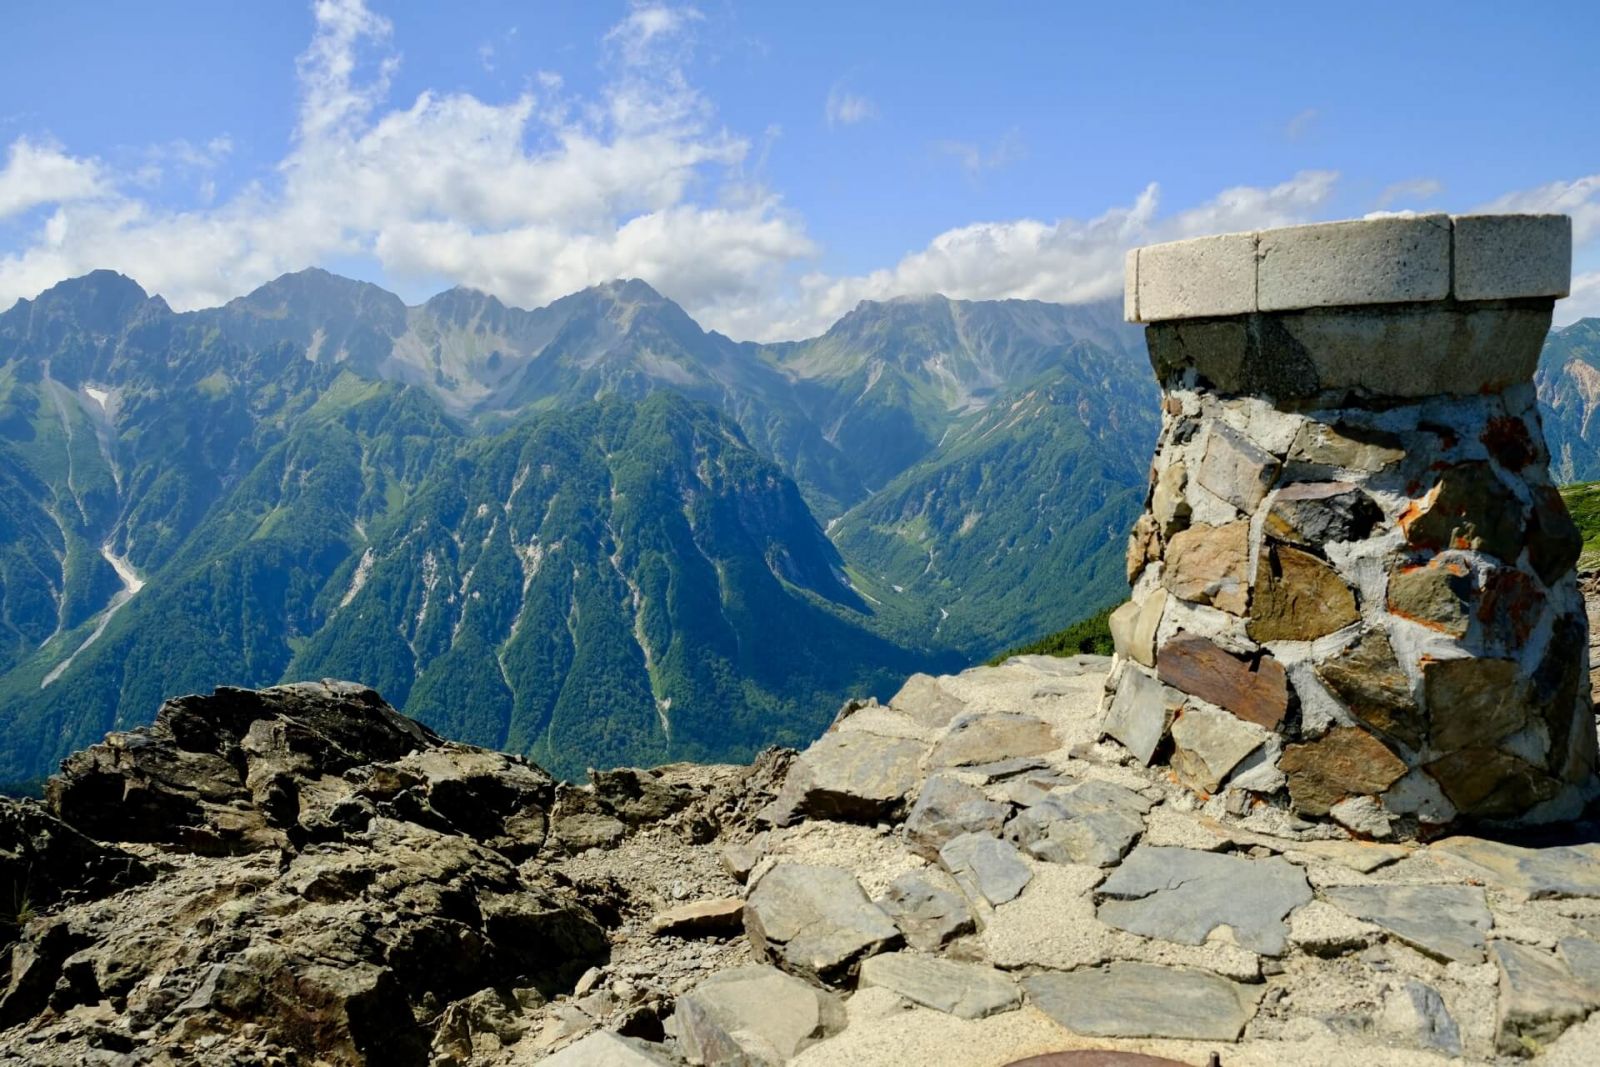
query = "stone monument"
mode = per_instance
[{"x": 1353, "y": 581}]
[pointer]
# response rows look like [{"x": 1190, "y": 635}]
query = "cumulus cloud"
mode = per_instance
[
  {"x": 37, "y": 174},
  {"x": 530, "y": 198},
  {"x": 845, "y": 108},
  {"x": 1068, "y": 260}
]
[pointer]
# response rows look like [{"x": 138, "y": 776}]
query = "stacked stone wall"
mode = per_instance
[{"x": 1353, "y": 584}]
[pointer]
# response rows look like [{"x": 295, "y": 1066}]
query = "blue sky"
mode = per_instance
[{"x": 768, "y": 165}]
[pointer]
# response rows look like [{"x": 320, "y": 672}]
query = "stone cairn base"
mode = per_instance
[{"x": 1353, "y": 585}]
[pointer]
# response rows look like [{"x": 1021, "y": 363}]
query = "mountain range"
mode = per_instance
[{"x": 592, "y": 532}]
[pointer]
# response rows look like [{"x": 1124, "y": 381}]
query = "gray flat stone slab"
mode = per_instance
[
  {"x": 815, "y": 921},
  {"x": 1501, "y": 257},
  {"x": 1145, "y": 1000},
  {"x": 1582, "y": 957},
  {"x": 1539, "y": 998},
  {"x": 1182, "y": 895},
  {"x": 1531, "y": 873},
  {"x": 986, "y": 866},
  {"x": 1140, "y": 713},
  {"x": 849, "y": 775},
  {"x": 979, "y": 739},
  {"x": 965, "y": 990},
  {"x": 1447, "y": 922},
  {"x": 1094, "y": 823},
  {"x": 928, "y": 914},
  {"x": 1369, "y": 261},
  {"x": 754, "y": 1015},
  {"x": 1353, "y": 263},
  {"x": 947, "y": 808},
  {"x": 1203, "y": 276},
  {"x": 927, "y": 701}
]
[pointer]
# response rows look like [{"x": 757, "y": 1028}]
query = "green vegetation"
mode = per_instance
[
  {"x": 1583, "y": 501},
  {"x": 1091, "y": 635}
]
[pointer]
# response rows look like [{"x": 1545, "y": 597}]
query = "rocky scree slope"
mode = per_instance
[{"x": 301, "y": 875}]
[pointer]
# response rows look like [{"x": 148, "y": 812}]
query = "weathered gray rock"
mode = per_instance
[
  {"x": 1202, "y": 276},
  {"x": 1582, "y": 957},
  {"x": 928, "y": 914},
  {"x": 1372, "y": 261},
  {"x": 986, "y": 867},
  {"x": 989, "y": 738},
  {"x": 1144, "y": 1000},
  {"x": 1539, "y": 998},
  {"x": 1181, "y": 895},
  {"x": 584, "y": 830},
  {"x": 815, "y": 921},
  {"x": 849, "y": 775},
  {"x": 605, "y": 1049},
  {"x": 1447, "y": 922},
  {"x": 1140, "y": 713},
  {"x": 1235, "y": 469},
  {"x": 754, "y": 1017},
  {"x": 948, "y": 808},
  {"x": 1208, "y": 743},
  {"x": 927, "y": 701},
  {"x": 1500, "y": 257},
  {"x": 965, "y": 990},
  {"x": 1368, "y": 678},
  {"x": 1320, "y": 513},
  {"x": 1094, "y": 823},
  {"x": 1416, "y": 1013},
  {"x": 1532, "y": 873}
]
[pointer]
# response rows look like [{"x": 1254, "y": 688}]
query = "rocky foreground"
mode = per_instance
[{"x": 965, "y": 876}]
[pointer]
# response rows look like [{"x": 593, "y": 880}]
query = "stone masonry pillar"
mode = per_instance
[{"x": 1353, "y": 586}]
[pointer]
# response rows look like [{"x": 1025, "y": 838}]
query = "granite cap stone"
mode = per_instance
[{"x": 1389, "y": 260}]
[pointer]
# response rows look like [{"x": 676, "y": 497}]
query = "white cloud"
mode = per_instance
[
  {"x": 38, "y": 174},
  {"x": 1413, "y": 190},
  {"x": 530, "y": 199},
  {"x": 1068, "y": 260},
  {"x": 845, "y": 108}
]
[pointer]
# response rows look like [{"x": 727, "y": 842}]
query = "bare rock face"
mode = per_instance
[{"x": 310, "y": 862}]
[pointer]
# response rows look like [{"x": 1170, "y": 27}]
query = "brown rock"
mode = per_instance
[
  {"x": 1368, "y": 678},
  {"x": 703, "y": 917},
  {"x": 1209, "y": 565},
  {"x": 1345, "y": 761},
  {"x": 1438, "y": 594},
  {"x": 1133, "y": 627},
  {"x": 1469, "y": 507},
  {"x": 1472, "y": 702},
  {"x": 1144, "y": 545},
  {"x": 1298, "y": 597},
  {"x": 1554, "y": 543},
  {"x": 1489, "y": 783},
  {"x": 1348, "y": 447},
  {"x": 1257, "y": 693}
]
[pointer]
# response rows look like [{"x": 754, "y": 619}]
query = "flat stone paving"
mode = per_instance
[{"x": 1134, "y": 918}]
